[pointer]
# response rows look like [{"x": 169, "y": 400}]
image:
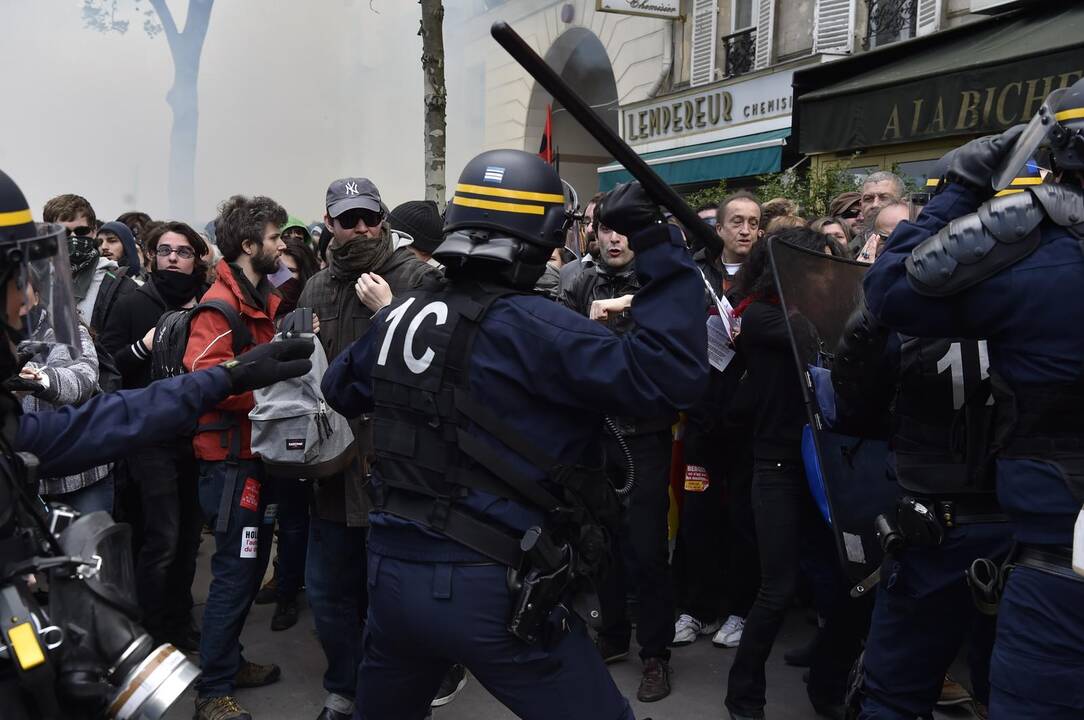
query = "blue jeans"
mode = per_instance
[
  {"x": 924, "y": 610},
  {"x": 425, "y": 616},
  {"x": 92, "y": 498},
  {"x": 293, "y": 533},
  {"x": 237, "y": 566},
  {"x": 335, "y": 588}
]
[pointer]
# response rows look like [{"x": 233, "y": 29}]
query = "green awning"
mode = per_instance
[{"x": 735, "y": 157}]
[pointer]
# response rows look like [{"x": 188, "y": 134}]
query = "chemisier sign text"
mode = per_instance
[
  {"x": 647, "y": 8},
  {"x": 708, "y": 109}
]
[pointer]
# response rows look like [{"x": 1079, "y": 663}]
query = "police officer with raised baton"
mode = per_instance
[{"x": 487, "y": 403}]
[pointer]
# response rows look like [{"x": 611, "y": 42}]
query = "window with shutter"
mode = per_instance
[
  {"x": 765, "y": 33},
  {"x": 833, "y": 26},
  {"x": 705, "y": 21},
  {"x": 929, "y": 17}
]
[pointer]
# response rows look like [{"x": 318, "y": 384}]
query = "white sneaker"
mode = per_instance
[
  {"x": 687, "y": 628},
  {"x": 729, "y": 634}
]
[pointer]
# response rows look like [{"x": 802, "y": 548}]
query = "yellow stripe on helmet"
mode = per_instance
[
  {"x": 1008, "y": 192},
  {"x": 933, "y": 182},
  {"x": 1027, "y": 180},
  {"x": 506, "y": 193},
  {"x": 496, "y": 205},
  {"x": 15, "y": 217},
  {"x": 1074, "y": 114}
]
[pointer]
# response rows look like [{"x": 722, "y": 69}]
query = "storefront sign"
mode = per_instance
[
  {"x": 669, "y": 9},
  {"x": 982, "y": 100},
  {"x": 704, "y": 110}
]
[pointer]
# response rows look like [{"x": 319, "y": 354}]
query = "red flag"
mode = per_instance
[{"x": 545, "y": 150}]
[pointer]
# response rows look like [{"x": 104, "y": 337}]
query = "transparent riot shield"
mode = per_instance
[{"x": 847, "y": 474}]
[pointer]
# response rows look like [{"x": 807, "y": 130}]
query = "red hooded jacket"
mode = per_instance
[{"x": 209, "y": 344}]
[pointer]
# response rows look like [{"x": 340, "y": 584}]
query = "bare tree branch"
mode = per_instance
[{"x": 166, "y": 18}]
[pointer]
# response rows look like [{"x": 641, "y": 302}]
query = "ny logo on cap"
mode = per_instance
[{"x": 352, "y": 188}]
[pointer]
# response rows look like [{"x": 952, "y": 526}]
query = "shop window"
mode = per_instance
[
  {"x": 916, "y": 172},
  {"x": 889, "y": 21}
]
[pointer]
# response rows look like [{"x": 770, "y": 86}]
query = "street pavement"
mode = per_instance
[{"x": 699, "y": 675}]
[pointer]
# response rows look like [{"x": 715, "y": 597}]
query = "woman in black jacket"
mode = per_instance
[
  {"x": 783, "y": 508},
  {"x": 163, "y": 477}
]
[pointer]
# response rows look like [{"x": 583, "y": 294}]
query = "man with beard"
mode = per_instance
[
  {"x": 604, "y": 292},
  {"x": 361, "y": 263},
  {"x": 164, "y": 474},
  {"x": 590, "y": 245},
  {"x": 233, "y": 491}
]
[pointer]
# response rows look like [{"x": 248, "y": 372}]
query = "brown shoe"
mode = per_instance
[
  {"x": 655, "y": 683},
  {"x": 952, "y": 693},
  {"x": 252, "y": 675},
  {"x": 220, "y": 708}
]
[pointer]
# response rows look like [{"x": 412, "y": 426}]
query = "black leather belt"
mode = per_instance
[{"x": 1050, "y": 559}]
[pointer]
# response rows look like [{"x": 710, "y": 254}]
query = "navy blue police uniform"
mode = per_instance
[
  {"x": 924, "y": 608},
  {"x": 470, "y": 380},
  {"x": 1013, "y": 276}
]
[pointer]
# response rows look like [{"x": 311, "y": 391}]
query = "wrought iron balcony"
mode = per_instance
[
  {"x": 889, "y": 21},
  {"x": 741, "y": 51}
]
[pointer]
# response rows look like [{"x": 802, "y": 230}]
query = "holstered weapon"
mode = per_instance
[{"x": 540, "y": 584}]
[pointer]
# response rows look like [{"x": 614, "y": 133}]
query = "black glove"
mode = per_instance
[
  {"x": 627, "y": 209},
  {"x": 269, "y": 363},
  {"x": 975, "y": 163}
]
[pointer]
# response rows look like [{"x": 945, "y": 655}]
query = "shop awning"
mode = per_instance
[
  {"x": 734, "y": 157},
  {"x": 977, "y": 78}
]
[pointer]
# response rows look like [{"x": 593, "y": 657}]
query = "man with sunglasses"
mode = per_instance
[
  {"x": 360, "y": 251},
  {"x": 96, "y": 280}
]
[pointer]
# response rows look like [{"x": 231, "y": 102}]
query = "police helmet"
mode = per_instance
[
  {"x": 35, "y": 257},
  {"x": 1059, "y": 127},
  {"x": 506, "y": 217}
]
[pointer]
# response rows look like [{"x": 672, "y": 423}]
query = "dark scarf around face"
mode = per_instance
[
  {"x": 177, "y": 288},
  {"x": 359, "y": 255}
]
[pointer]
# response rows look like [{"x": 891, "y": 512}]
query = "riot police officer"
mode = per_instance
[
  {"x": 87, "y": 656},
  {"x": 486, "y": 401},
  {"x": 1010, "y": 270},
  {"x": 939, "y": 421}
]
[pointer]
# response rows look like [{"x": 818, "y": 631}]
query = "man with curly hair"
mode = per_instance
[{"x": 233, "y": 491}]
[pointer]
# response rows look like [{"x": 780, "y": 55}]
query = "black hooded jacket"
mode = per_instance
[{"x": 133, "y": 315}]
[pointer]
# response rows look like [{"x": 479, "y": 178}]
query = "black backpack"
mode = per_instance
[{"x": 171, "y": 337}]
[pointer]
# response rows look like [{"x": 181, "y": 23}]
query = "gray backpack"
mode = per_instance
[{"x": 294, "y": 431}]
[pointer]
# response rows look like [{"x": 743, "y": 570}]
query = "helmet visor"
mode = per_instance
[
  {"x": 44, "y": 311},
  {"x": 1029, "y": 141}
]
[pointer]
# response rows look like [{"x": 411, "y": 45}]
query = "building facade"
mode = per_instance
[{"x": 707, "y": 90}]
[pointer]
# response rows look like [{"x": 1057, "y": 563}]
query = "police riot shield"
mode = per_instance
[{"x": 847, "y": 474}]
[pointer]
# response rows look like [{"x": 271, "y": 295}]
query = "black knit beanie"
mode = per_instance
[{"x": 421, "y": 220}]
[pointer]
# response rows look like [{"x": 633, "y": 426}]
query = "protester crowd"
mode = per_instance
[{"x": 749, "y": 542}]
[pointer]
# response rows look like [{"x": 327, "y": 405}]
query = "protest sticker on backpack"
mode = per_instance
[
  {"x": 250, "y": 495},
  {"x": 250, "y": 542}
]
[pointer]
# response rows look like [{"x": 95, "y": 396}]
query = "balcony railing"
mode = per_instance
[
  {"x": 741, "y": 51},
  {"x": 889, "y": 21}
]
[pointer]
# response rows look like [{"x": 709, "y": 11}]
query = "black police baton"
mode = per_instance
[{"x": 659, "y": 191}]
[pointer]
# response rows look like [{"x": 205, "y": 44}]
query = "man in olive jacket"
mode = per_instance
[{"x": 362, "y": 262}]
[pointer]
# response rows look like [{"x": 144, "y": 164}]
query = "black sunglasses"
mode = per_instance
[
  {"x": 349, "y": 219},
  {"x": 80, "y": 231},
  {"x": 849, "y": 214}
]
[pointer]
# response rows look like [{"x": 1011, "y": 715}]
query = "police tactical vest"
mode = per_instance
[
  {"x": 426, "y": 461},
  {"x": 943, "y": 417}
]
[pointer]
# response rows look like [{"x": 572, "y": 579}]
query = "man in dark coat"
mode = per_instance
[{"x": 362, "y": 263}]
